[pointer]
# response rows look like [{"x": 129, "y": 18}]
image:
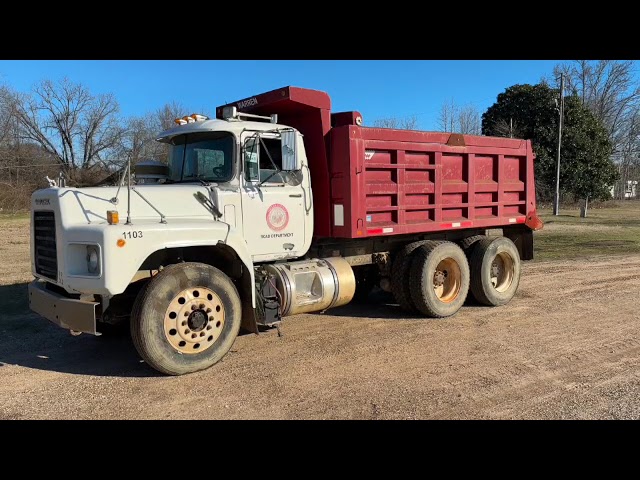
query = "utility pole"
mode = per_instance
[{"x": 556, "y": 205}]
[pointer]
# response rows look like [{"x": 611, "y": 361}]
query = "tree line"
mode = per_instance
[{"x": 63, "y": 126}]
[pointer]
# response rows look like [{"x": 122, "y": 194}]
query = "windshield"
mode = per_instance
[{"x": 207, "y": 156}]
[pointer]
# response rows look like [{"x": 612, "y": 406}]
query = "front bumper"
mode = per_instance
[{"x": 76, "y": 315}]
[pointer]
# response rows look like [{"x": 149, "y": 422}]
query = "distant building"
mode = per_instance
[{"x": 625, "y": 190}]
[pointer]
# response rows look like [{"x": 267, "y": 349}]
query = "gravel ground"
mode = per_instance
[{"x": 567, "y": 346}]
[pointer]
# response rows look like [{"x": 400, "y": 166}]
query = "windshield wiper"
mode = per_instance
[
  {"x": 187, "y": 180},
  {"x": 208, "y": 204}
]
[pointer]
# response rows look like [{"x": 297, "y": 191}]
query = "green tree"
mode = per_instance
[{"x": 586, "y": 170}]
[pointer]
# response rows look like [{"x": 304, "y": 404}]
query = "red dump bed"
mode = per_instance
[
  {"x": 397, "y": 181},
  {"x": 374, "y": 181}
]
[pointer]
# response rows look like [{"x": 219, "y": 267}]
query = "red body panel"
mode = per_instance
[
  {"x": 373, "y": 181},
  {"x": 393, "y": 182}
]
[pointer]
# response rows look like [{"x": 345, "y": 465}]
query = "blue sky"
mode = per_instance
[{"x": 376, "y": 88}]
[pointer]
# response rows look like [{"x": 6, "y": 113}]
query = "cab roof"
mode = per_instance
[{"x": 216, "y": 125}]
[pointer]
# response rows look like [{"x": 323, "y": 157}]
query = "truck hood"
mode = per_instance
[{"x": 90, "y": 205}]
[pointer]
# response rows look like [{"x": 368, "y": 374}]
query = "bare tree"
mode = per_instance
[
  {"x": 23, "y": 165},
  {"x": 139, "y": 141},
  {"x": 454, "y": 118},
  {"x": 77, "y": 128},
  {"x": 404, "y": 123},
  {"x": 609, "y": 89},
  {"x": 164, "y": 117},
  {"x": 504, "y": 128},
  {"x": 9, "y": 125},
  {"x": 448, "y": 114},
  {"x": 629, "y": 153},
  {"x": 469, "y": 120}
]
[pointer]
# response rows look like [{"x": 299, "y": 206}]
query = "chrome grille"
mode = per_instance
[{"x": 44, "y": 234}]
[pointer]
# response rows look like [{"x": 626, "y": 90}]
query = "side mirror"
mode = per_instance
[{"x": 290, "y": 160}]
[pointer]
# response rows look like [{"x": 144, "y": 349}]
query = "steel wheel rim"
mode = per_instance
[
  {"x": 447, "y": 280},
  {"x": 502, "y": 272},
  {"x": 194, "y": 320}
]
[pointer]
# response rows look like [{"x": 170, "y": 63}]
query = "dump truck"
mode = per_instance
[{"x": 278, "y": 207}]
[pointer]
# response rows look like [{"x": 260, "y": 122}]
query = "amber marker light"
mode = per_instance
[
  {"x": 121, "y": 242},
  {"x": 112, "y": 217}
]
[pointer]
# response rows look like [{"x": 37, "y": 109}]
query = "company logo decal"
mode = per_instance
[
  {"x": 368, "y": 155},
  {"x": 42, "y": 201},
  {"x": 277, "y": 217}
]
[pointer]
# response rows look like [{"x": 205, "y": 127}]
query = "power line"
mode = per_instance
[
  {"x": 37, "y": 165},
  {"x": 31, "y": 166}
]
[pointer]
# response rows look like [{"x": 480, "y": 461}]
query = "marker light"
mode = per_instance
[
  {"x": 188, "y": 119},
  {"x": 121, "y": 243},
  {"x": 180, "y": 121},
  {"x": 112, "y": 217},
  {"x": 199, "y": 118}
]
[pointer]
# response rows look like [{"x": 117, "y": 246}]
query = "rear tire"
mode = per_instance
[
  {"x": 400, "y": 276},
  {"x": 495, "y": 271},
  {"x": 186, "y": 318},
  {"x": 468, "y": 243},
  {"x": 439, "y": 278}
]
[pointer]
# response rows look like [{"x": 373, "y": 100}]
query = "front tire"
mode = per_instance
[
  {"x": 439, "y": 278},
  {"x": 495, "y": 271},
  {"x": 186, "y": 318}
]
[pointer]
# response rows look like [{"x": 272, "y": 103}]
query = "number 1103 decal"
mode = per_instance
[{"x": 133, "y": 234}]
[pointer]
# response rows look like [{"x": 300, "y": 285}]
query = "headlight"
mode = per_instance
[{"x": 93, "y": 260}]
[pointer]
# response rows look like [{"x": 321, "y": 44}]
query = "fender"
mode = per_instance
[{"x": 122, "y": 260}]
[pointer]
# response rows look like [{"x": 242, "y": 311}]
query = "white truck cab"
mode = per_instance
[{"x": 238, "y": 193}]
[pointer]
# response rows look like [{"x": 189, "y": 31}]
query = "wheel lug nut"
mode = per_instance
[
  {"x": 187, "y": 331},
  {"x": 202, "y": 334},
  {"x": 201, "y": 305},
  {"x": 193, "y": 307},
  {"x": 184, "y": 323},
  {"x": 194, "y": 335},
  {"x": 208, "y": 310}
]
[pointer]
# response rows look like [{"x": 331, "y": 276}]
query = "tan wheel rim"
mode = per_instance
[
  {"x": 447, "y": 280},
  {"x": 502, "y": 272},
  {"x": 194, "y": 320}
]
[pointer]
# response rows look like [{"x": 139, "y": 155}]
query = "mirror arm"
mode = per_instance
[{"x": 268, "y": 178}]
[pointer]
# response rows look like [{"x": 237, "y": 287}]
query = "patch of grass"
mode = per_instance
[
  {"x": 13, "y": 217},
  {"x": 625, "y": 215},
  {"x": 605, "y": 231}
]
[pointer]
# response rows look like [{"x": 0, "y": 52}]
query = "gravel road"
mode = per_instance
[{"x": 567, "y": 346}]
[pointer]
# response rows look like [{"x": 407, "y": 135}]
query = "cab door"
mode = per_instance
[{"x": 273, "y": 200}]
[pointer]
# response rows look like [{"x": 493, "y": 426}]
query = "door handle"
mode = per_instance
[{"x": 296, "y": 195}]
